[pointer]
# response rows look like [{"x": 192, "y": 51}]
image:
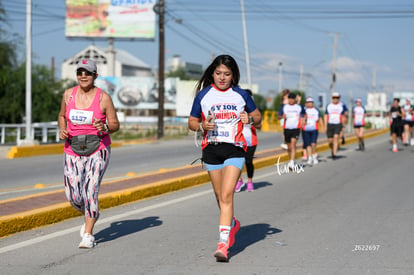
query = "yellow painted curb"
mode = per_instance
[
  {"x": 41, "y": 150},
  {"x": 58, "y": 212},
  {"x": 55, "y": 213}
]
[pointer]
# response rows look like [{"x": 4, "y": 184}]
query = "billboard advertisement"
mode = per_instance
[
  {"x": 110, "y": 18},
  {"x": 138, "y": 92}
]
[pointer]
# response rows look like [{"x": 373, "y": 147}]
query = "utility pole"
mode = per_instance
[
  {"x": 111, "y": 57},
  {"x": 280, "y": 76},
  {"x": 246, "y": 45},
  {"x": 159, "y": 8},
  {"x": 29, "y": 139},
  {"x": 301, "y": 79},
  {"x": 374, "y": 90},
  {"x": 334, "y": 63}
]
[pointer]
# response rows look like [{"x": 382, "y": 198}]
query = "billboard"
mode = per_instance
[
  {"x": 140, "y": 93},
  {"x": 110, "y": 18}
]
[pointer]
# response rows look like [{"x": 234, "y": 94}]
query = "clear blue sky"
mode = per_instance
[{"x": 372, "y": 35}]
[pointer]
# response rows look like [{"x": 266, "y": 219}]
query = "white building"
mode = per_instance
[
  {"x": 377, "y": 109},
  {"x": 377, "y": 102},
  {"x": 125, "y": 63},
  {"x": 191, "y": 69}
]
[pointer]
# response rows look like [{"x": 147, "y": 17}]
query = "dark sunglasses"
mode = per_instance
[{"x": 87, "y": 73}]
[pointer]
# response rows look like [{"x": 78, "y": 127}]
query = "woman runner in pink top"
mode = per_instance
[{"x": 86, "y": 112}]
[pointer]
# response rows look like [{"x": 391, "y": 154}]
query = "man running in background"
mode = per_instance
[
  {"x": 335, "y": 120},
  {"x": 292, "y": 113},
  {"x": 396, "y": 115}
]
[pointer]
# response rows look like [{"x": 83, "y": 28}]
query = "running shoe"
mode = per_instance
[
  {"x": 405, "y": 141},
  {"x": 343, "y": 140},
  {"x": 315, "y": 160},
  {"x": 284, "y": 146},
  {"x": 395, "y": 150},
  {"x": 240, "y": 184},
  {"x": 221, "y": 253},
  {"x": 88, "y": 241},
  {"x": 250, "y": 187},
  {"x": 309, "y": 161},
  {"x": 233, "y": 231},
  {"x": 291, "y": 165},
  {"x": 304, "y": 157}
]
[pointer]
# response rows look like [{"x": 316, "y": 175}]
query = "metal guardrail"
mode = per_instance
[
  {"x": 48, "y": 132},
  {"x": 41, "y": 132}
]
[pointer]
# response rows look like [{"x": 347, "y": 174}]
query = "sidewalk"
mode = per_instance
[{"x": 32, "y": 211}]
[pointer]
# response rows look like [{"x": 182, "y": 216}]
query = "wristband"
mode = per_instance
[{"x": 251, "y": 120}]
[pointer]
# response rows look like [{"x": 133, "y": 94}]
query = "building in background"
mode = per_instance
[
  {"x": 403, "y": 95},
  {"x": 125, "y": 63},
  {"x": 191, "y": 70},
  {"x": 377, "y": 109}
]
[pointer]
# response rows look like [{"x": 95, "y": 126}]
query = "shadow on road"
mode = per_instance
[
  {"x": 123, "y": 228},
  {"x": 251, "y": 234},
  {"x": 258, "y": 185}
]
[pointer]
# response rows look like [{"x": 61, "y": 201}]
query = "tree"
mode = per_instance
[
  {"x": 46, "y": 94},
  {"x": 8, "y": 46},
  {"x": 260, "y": 102}
]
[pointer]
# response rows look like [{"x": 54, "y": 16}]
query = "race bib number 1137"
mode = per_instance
[{"x": 80, "y": 117}]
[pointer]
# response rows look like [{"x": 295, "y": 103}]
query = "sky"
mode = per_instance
[{"x": 374, "y": 49}]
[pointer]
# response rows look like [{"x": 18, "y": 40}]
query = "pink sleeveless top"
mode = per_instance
[{"x": 80, "y": 121}]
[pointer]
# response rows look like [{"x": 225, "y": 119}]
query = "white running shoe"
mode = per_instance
[
  {"x": 412, "y": 142},
  {"x": 88, "y": 241},
  {"x": 309, "y": 161},
  {"x": 291, "y": 165},
  {"x": 284, "y": 146},
  {"x": 315, "y": 160}
]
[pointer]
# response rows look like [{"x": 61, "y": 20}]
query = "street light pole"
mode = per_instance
[
  {"x": 246, "y": 45},
  {"x": 29, "y": 139},
  {"x": 280, "y": 76}
]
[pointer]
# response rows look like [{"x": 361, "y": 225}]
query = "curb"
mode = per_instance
[
  {"x": 27, "y": 220},
  {"x": 41, "y": 150}
]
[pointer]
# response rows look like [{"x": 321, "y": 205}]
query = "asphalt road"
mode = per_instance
[
  {"x": 349, "y": 216},
  {"x": 22, "y": 176}
]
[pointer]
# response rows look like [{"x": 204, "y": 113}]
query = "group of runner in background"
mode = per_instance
[{"x": 308, "y": 120}]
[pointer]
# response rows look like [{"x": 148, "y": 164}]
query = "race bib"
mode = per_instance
[
  {"x": 310, "y": 122},
  {"x": 291, "y": 115},
  {"x": 80, "y": 117},
  {"x": 334, "y": 118},
  {"x": 222, "y": 133},
  {"x": 358, "y": 119}
]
